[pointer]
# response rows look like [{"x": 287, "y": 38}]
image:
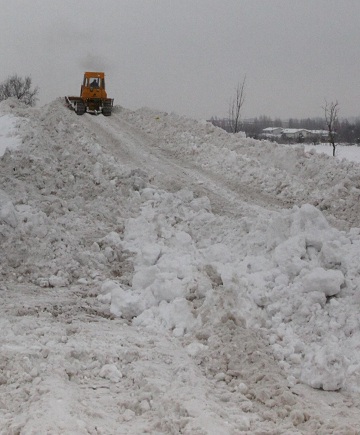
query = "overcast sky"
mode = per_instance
[{"x": 187, "y": 56}]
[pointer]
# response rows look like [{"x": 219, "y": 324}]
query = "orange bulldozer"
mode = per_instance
[{"x": 93, "y": 97}]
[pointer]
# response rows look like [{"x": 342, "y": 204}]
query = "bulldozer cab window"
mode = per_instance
[{"x": 95, "y": 82}]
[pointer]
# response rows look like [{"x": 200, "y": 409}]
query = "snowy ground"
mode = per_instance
[
  {"x": 349, "y": 152},
  {"x": 162, "y": 276}
]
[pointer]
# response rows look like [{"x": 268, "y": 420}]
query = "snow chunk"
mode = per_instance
[
  {"x": 307, "y": 219},
  {"x": 149, "y": 254},
  {"x": 330, "y": 254},
  {"x": 144, "y": 277},
  {"x": 166, "y": 287},
  {"x": 7, "y": 210},
  {"x": 288, "y": 255},
  {"x": 59, "y": 280},
  {"x": 202, "y": 203},
  {"x": 325, "y": 368},
  {"x": 175, "y": 316},
  {"x": 124, "y": 303},
  {"x": 327, "y": 281},
  {"x": 112, "y": 240},
  {"x": 111, "y": 372},
  {"x": 193, "y": 349},
  {"x": 218, "y": 253}
]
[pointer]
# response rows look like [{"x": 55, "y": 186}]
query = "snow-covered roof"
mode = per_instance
[
  {"x": 293, "y": 130},
  {"x": 319, "y": 132},
  {"x": 270, "y": 129}
]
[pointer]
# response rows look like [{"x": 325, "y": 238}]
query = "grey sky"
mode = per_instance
[{"x": 187, "y": 56}]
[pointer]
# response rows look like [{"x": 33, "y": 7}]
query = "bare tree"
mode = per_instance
[
  {"x": 20, "y": 88},
  {"x": 235, "y": 107},
  {"x": 331, "y": 111}
]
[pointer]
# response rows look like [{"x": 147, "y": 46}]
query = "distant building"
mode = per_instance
[
  {"x": 272, "y": 132},
  {"x": 295, "y": 133},
  {"x": 319, "y": 133}
]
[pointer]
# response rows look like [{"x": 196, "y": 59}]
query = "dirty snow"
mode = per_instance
[{"x": 162, "y": 276}]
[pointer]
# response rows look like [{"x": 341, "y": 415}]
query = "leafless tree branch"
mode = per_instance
[
  {"x": 235, "y": 107},
  {"x": 331, "y": 111}
]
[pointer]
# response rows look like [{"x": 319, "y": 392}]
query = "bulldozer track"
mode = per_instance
[{"x": 135, "y": 147}]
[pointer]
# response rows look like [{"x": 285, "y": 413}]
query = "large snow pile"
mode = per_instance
[
  {"x": 287, "y": 173},
  {"x": 293, "y": 276},
  {"x": 74, "y": 214}
]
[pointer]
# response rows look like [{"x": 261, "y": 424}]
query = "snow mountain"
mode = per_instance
[{"x": 162, "y": 276}]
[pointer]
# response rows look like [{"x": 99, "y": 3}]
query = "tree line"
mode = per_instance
[{"x": 346, "y": 131}]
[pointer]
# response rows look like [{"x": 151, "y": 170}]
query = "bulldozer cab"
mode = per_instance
[
  {"x": 93, "y": 85},
  {"x": 94, "y": 81}
]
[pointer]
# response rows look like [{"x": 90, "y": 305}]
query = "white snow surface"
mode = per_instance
[
  {"x": 8, "y": 135},
  {"x": 162, "y": 276},
  {"x": 349, "y": 152}
]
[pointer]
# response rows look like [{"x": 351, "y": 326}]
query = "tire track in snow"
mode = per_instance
[{"x": 165, "y": 170}]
